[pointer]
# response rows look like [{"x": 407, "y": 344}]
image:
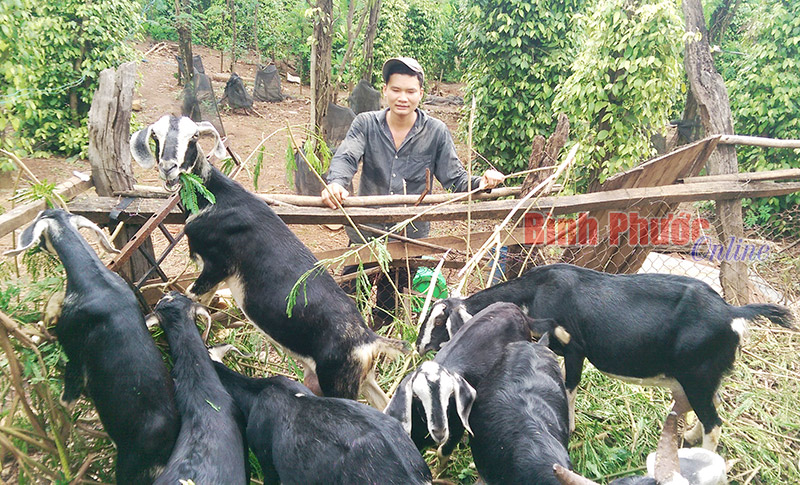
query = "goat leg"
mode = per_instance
[
  {"x": 209, "y": 278},
  {"x": 73, "y": 383},
  {"x": 373, "y": 392}
]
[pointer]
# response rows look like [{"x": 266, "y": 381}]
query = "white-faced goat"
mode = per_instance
[
  {"x": 298, "y": 437},
  {"x": 653, "y": 329},
  {"x": 111, "y": 355},
  {"x": 241, "y": 241},
  {"x": 210, "y": 446},
  {"x": 434, "y": 401},
  {"x": 520, "y": 420}
]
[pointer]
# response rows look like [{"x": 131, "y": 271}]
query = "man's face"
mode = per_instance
[{"x": 403, "y": 94}]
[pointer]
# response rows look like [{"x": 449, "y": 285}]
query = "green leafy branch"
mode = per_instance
[{"x": 191, "y": 185}]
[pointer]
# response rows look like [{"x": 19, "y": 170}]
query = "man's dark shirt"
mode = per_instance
[{"x": 387, "y": 170}]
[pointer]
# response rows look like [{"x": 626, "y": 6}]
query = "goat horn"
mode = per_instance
[{"x": 568, "y": 477}]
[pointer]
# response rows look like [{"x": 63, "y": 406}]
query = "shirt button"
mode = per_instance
[
  {"x": 391, "y": 193},
  {"x": 394, "y": 175},
  {"x": 395, "y": 157}
]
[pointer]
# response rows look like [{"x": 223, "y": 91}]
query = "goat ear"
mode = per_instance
[
  {"x": 31, "y": 236},
  {"x": 540, "y": 326},
  {"x": 219, "y": 147},
  {"x": 200, "y": 311},
  {"x": 140, "y": 148},
  {"x": 218, "y": 352},
  {"x": 151, "y": 320},
  {"x": 399, "y": 406},
  {"x": 79, "y": 222},
  {"x": 465, "y": 397}
]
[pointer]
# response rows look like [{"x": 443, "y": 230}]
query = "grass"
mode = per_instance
[{"x": 617, "y": 424}]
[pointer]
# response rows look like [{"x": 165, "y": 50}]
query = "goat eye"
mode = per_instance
[
  {"x": 438, "y": 323},
  {"x": 195, "y": 136}
]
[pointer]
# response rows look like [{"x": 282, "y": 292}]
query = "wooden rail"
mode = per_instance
[{"x": 96, "y": 209}]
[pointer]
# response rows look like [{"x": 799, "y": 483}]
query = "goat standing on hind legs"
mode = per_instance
[
  {"x": 111, "y": 355},
  {"x": 239, "y": 240}
]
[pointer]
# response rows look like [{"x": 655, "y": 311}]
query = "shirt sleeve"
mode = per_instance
[
  {"x": 344, "y": 163},
  {"x": 448, "y": 168}
]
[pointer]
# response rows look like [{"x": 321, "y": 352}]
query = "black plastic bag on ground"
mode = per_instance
[
  {"x": 268, "y": 85},
  {"x": 336, "y": 124},
  {"x": 197, "y": 65},
  {"x": 364, "y": 98},
  {"x": 236, "y": 94},
  {"x": 200, "y": 103}
]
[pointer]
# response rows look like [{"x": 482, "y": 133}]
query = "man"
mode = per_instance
[{"x": 396, "y": 145}]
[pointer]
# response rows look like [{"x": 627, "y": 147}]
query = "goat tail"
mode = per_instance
[
  {"x": 391, "y": 347},
  {"x": 777, "y": 314}
]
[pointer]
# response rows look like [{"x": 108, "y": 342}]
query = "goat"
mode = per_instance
[
  {"x": 110, "y": 353},
  {"x": 424, "y": 399},
  {"x": 241, "y": 241},
  {"x": 210, "y": 446},
  {"x": 520, "y": 417},
  {"x": 298, "y": 437},
  {"x": 652, "y": 329}
]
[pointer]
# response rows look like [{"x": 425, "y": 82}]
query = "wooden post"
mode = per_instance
[
  {"x": 714, "y": 108},
  {"x": 109, "y": 152}
]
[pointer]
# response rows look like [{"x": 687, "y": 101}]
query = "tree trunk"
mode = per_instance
[
  {"x": 109, "y": 150},
  {"x": 369, "y": 39},
  {"x": 321, "y": 52},
  {"x": 184, "y": 45},
  {"x": 232, "y": 7},
  {"x": 714, "y": 109}
]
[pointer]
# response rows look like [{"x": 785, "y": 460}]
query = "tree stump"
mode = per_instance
[{"x": 109, "y": 151}]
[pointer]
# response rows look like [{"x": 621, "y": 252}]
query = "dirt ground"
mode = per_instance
[{"x": 158, "y": 93}]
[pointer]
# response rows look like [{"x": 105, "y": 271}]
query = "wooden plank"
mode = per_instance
[
  {"x": 353, "y": 201},
  {"x": 775, "y": 175},
  {"x": 758, "y": 141},
  {"x": 23, "y": 214},
  {"x": 686, "y": 161},
  {"x": 96, "y": 208},
  {"x": 401, "y": 250},
  {"x": 143, "y": 232}
]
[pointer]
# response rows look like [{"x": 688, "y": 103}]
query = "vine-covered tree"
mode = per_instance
[
  {"x": 624, "y": 83},
  {"x": 59, "y": 49},
  {"x": 761, "y": 67},
  {"x": 517, "y": 52}
]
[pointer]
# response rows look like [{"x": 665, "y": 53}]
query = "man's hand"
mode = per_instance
[
  {"x": 334, "y": 191},
  {"x": 491, "y": 179}
]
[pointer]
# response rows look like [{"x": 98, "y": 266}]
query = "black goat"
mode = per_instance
[
  {"x": 241, "y": 241},
  {"x": 655, "y": 329},
  {"x": 210, "y": 446},
  {"x": 520, "y": 418},
  {"x": 424, "y": 399},
  {"x": 300, "y": 438},
  {"x": 110, "y": 352}
]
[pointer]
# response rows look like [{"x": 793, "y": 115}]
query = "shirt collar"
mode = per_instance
[{"x": 422, "y": 118}]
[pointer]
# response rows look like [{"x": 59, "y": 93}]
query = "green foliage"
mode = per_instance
[
  {"x": 317, "y": 155},
  {"x": 257, "y": 168},
  {"x": 625, "y": 80},
  {"x": 389, "y": 37},
  {"x": 159, "y": 21},
  {"x": 517, "y": 52},
  {"x": 191, "y": 185},
  {"x": 761, "y": 68},
  {"x": 52, "y": 54}
]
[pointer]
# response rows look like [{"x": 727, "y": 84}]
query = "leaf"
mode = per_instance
[
  {"x": 257, "y": 168},
  {"x": 192, "y": 184}
]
